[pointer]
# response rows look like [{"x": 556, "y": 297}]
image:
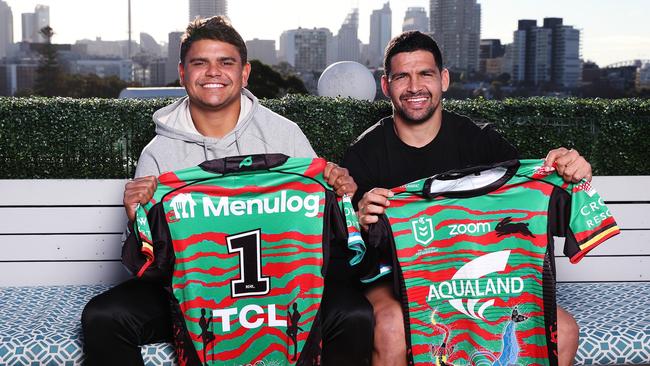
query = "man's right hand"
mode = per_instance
[
  {"x": 372, "y": 204},
  {"x": 138, "y": 191}
]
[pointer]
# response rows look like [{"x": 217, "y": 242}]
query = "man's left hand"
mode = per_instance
[
  {"x": 569, "y": 164},
  {"x": 340, "y": 180}
]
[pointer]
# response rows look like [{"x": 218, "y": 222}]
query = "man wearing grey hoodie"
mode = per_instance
[{"x": 218, "y": 118}]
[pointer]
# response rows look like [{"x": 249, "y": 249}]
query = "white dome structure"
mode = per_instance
[{"x": 347, "y": 79}]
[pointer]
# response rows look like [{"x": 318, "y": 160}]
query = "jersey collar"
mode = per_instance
[{"x": 470, "y": 182}]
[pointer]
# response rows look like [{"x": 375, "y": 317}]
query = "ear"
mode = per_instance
[
  {"x": 445, "y": 79},
  {"x": 246, "y": 71},
  {"x": 384, "y": 85},
  {"x": 181, "y": 74}
]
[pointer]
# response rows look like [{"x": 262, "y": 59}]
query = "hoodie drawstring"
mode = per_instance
[
  {"x": 237, "y": 142},
  {"x": 205, "y": 150}
]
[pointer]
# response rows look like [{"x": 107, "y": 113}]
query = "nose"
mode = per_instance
[
  {"x": 213, "y": 69},
  {"x": 414, "y": 84}
]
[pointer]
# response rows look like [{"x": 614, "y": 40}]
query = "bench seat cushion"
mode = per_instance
[
  {"x": 614, "y": 320},
  {"x": 42, "y": 324}
]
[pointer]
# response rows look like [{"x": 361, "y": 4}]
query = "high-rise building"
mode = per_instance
[
  {"x": 565, "y": 53},
  {"x": 311, "y": 49},
  {"x": 332, "y": 50},
  {"x": 149, "y": 45},
  {"x": 490, "y": 50},
  {"x": 551, "y": 53},
  {"x": 42, "y": 19},
  {"x": 6, "y": 29},
  {"x": 28, "y": 26},
  {"x": 643, "y": 77},
  {"x": 207, "y": 8},
  {"x": 416, "y": 19},
  {"x": 516, "y": 56},
  {"x": 542, "y": 46},
  {"x": 32, "y": 23},
  {"x": 287, "y": 52},
  {"x": 456, "y": 27},
  {"x": 262, "y": 50},
  {"x": 173, "y": 56},
  {"x": 305, "y": 49},
  {"x": 348, "y": 39},
  {"x": 157, "y": 72},
  {"x": 380, "y": 34}
]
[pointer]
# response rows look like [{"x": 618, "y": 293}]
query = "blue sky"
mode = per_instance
[{"x": 611, "y": 30}]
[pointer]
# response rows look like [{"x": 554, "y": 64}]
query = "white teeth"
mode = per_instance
[
  {"x": 213, "y": 86},
  {"x": 416, "y": 100}
]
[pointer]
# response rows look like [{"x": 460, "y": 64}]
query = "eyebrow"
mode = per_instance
[
  {"x": 227, "y": 58},
  {"x": 431, "y": 70},
  {"x": 220, "y": 59}
]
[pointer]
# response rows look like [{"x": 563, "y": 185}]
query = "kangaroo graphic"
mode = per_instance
[{"x": 505, "y": 227}]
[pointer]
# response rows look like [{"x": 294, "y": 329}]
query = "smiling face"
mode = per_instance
[
  {"x": 415, "y": 86},
  {"x": 213, "y": 74}
]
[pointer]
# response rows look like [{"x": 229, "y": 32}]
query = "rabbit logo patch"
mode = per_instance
[{"x": 507, "y": 227}]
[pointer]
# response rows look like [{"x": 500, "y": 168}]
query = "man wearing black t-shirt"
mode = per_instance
[{"x": 420, "y": 140}]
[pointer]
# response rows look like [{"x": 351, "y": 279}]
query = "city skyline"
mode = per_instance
[{"x": 622, "y": 37}]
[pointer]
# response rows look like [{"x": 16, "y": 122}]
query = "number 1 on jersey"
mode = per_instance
[{"x": 248, "y": 245}]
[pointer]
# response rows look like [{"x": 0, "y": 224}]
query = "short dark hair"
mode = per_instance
[
  {"x": 411, "y": 41},
  {"x": 217, "y": 28}
]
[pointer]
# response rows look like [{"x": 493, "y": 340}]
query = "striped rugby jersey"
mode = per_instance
[
  {"x": 473, "y": 257},
  {"x": 244, "y": 244}
]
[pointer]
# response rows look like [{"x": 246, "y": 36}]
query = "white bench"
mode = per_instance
[{"x": 60, "y": 245}]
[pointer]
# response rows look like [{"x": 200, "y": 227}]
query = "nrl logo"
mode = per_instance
[{"x": 423, "y": 230}]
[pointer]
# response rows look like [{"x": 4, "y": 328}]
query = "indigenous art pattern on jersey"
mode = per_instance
[
  {"x": 475, "y": 260},
  {"x": 247, "y": 238}
]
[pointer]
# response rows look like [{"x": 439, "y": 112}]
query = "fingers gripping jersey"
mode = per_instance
[
  {"x": 244, "y": 243},
  {"x": 473, "y": 256}
]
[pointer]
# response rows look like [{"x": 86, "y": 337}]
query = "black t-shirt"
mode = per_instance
[{"x": 378, "y": 158}]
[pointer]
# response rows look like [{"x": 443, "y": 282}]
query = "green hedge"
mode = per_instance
[{"x": 102, "y": 138}]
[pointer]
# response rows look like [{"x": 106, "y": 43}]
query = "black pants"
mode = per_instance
[{"x": 116, "y": 322}]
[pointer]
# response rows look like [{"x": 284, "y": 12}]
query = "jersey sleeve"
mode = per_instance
[
  {"x": 380, "y": 256},
  {"x": 148, "y": 251},
  {"x": 143, "y": 233},
  {"x": 582, "y": 217},
  {"x": 355, "y": 242}
]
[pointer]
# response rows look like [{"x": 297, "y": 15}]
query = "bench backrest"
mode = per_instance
[{"x": 56, "y": 232}]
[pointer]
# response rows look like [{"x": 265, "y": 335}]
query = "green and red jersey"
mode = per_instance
[
  {"x": 244, "y": 244},
  {"x": 471, "y": 253}
]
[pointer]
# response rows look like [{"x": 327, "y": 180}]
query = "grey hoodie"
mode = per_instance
[{"x": 260, "y": 131}]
